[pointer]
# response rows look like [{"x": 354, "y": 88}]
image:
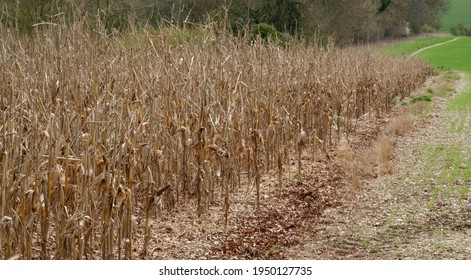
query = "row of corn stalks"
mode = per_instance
[{"x": 96, "y": 128}]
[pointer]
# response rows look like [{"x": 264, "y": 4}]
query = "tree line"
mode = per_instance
[{"x": 346, "y": 20}]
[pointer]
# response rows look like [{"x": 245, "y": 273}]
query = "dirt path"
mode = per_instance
[
  {"x": 433, "y": 46},
  {"x": 421, "y": 211}
]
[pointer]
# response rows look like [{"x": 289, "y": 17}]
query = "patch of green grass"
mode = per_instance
[
  {"x": 366, "y": 242},
  {"x": 435, "y": 152},
  {"x": 452, "y": 76},
  {"x": 460, "y": 103},
  {"x": 467, "y": 169},
  {"x": 457, "y": 56},
  {"x": 421, "y": 98},
  {"x": 445, "y": 86},
  {"x": 443, "y": 90},
  {"x": 464, "y": 192},
  {"x": 457, "y": 125},
  {"x": 297, "y": 176},
  {"x": 458, "y": 12},
  {"x": 454, "y": 55},
  {"x": 434, "y": 198},
  {"x": 447, "y": 164},
  {"x": 439, "y": 246},
  {"x": 423, "y": 108},
  {"x": 273, "y": 250},
  {"x": 453, "y": 156},
  {"x": 409, "y": 47}
]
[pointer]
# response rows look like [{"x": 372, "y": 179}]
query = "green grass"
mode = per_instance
[
  {"x": 446, "y": 164},
  {"x": 457, "y": 126},
  {"x": 459, "y": 12},
  {"x": 455, "y": 55},
  {"x": 409, "y": 47},
  {"x": 460, "y": 103},
  {"x": 421, "y": 98}
]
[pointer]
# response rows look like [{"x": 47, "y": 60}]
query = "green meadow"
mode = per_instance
[
  {"x": 459, "y": 11},
  {"x": 455, "y": 55},
  {"x": 409, "y": 47}
]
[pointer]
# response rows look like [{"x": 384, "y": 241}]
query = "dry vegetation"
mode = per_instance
[{"x": 99, "y": 130}]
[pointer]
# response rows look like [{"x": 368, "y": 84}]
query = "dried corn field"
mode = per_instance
[{"x": 97, "y": 129}]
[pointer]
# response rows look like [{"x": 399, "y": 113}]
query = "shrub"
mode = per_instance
[
  {"x": 428, "y": 29},
  {"x": 267, "y": 32},
  {"x": 460, "y": 30}
]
